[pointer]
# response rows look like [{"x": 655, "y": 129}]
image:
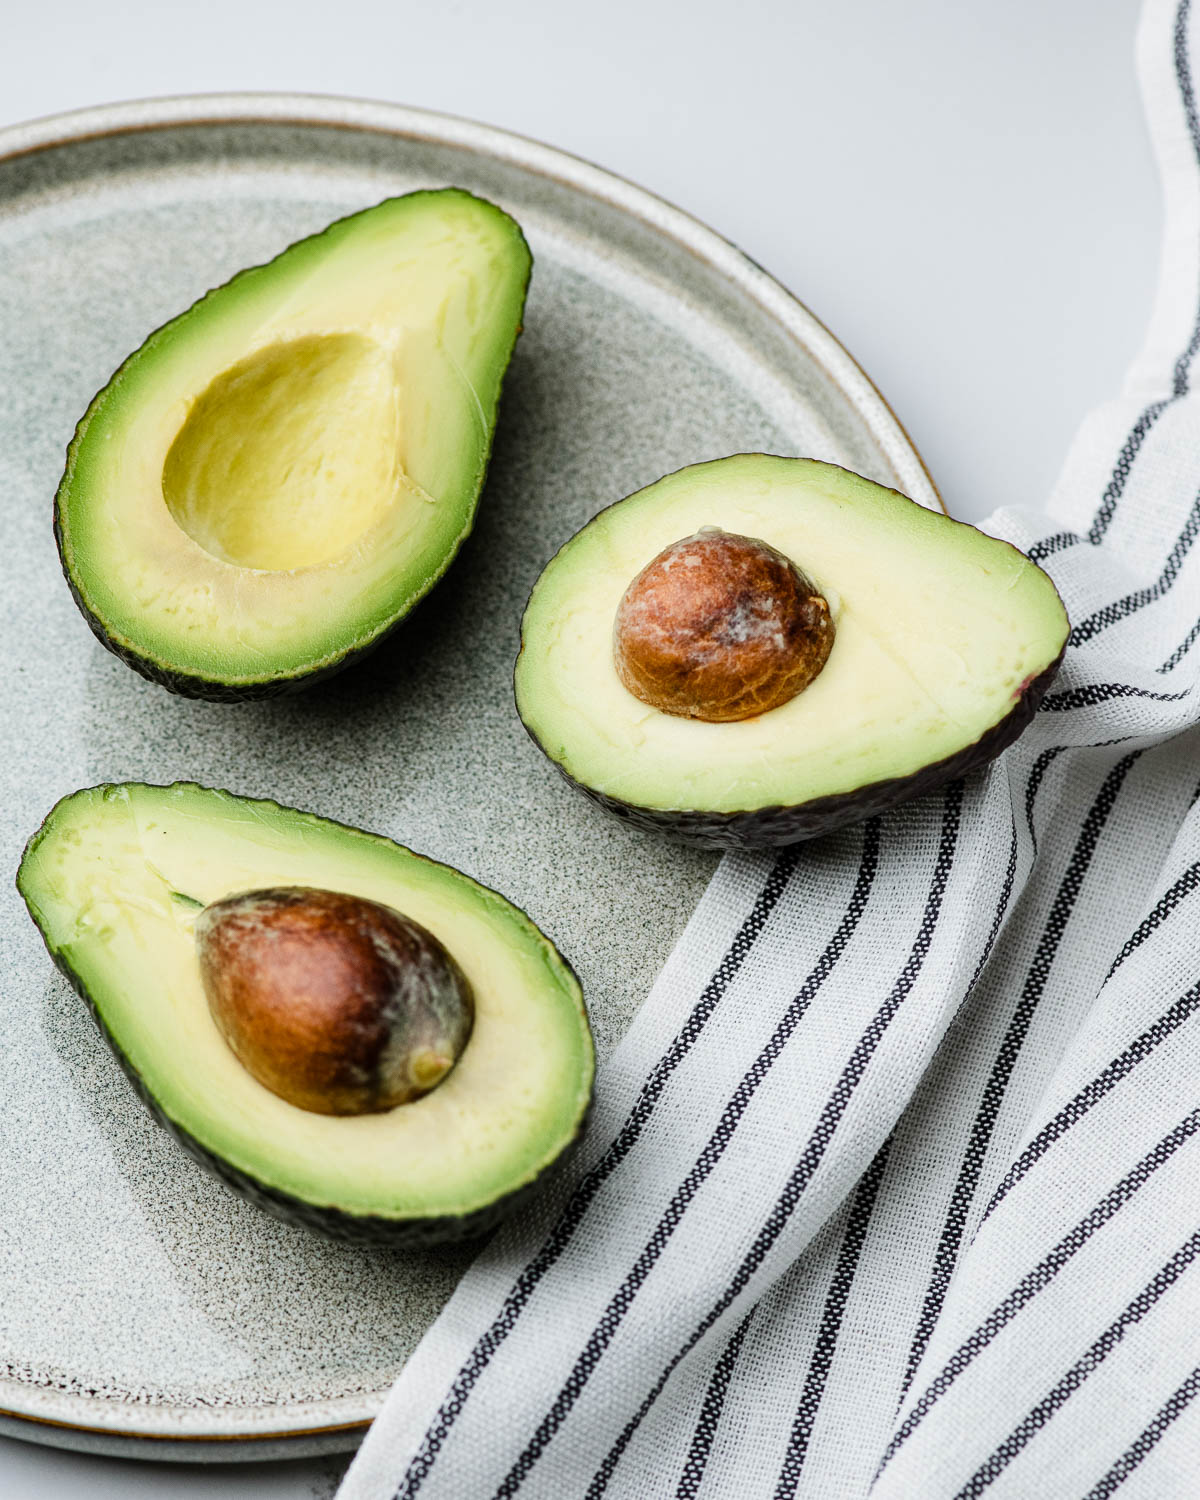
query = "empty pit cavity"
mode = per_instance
[{"x": 290, "y": 455}]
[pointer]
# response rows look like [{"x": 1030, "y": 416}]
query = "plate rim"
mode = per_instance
[
  {"x": 611, "y": 190},
  {"x": 378, "y": 117}
]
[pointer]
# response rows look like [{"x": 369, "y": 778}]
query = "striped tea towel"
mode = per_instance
[{"x": 893, "y": 1187}]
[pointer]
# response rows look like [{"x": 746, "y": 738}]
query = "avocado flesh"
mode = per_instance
[
  {"x": 112, "y": 880},
  {"x": 277, "y": 475},
  {"x": 944, "y": 639}
]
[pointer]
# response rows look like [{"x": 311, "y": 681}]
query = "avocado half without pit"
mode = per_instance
[
  {"x": 357, "y": 1039},
  {"x": 760, "y": 650},
  {"x": 273, "y": 480}
]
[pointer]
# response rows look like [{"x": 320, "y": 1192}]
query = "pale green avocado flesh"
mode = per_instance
[
  {"x": 277, "y": 475},
  {"x": 940, "y": 632},
  {"x": 115, "y": 880}
]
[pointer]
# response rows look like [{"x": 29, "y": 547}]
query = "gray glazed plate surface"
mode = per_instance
[{"x": 144, "y": 1309}]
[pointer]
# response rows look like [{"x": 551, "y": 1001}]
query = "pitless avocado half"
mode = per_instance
[
  {"x": 715, "y": 592},
  {"x": 137, "y": 888},
  {"x": 274, "y": 479}
]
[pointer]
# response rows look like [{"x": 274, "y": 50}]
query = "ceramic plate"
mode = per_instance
[{"x": 143, "y": 1308}]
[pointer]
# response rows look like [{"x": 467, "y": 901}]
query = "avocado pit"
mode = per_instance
[
  {"x": 338, "y": 1004},
  {"x": 720, "y": 627}
]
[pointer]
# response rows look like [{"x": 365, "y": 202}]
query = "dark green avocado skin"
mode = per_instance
[
  {"x": 334, "y": 1223},
  {"x": 774, "y": 827}
]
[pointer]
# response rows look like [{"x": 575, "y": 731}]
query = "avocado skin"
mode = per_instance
[
  {"x": 775, "y": 827},
  {"x": 334, "y": 1223},
  {"x": 186, "y": 685}
]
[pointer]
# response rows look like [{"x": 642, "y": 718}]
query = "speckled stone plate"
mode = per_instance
[{"x": 144, "y": 1309}]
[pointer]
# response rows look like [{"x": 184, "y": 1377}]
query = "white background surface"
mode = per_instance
[{"x": 962, "y": 190}]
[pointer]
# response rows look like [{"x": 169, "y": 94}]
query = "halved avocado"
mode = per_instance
[
  {"x": 945, "y": 640},
  {"x": 116, "y": 879},
  {"x": 274, "y": 479}
]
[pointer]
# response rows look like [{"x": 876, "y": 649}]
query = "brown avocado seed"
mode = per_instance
[
  {"x": 337, "y": 1004},
  {"x": 720, "y": 627}
]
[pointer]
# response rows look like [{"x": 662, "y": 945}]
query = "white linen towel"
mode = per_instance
[{"x": 893, "y": 1187}]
